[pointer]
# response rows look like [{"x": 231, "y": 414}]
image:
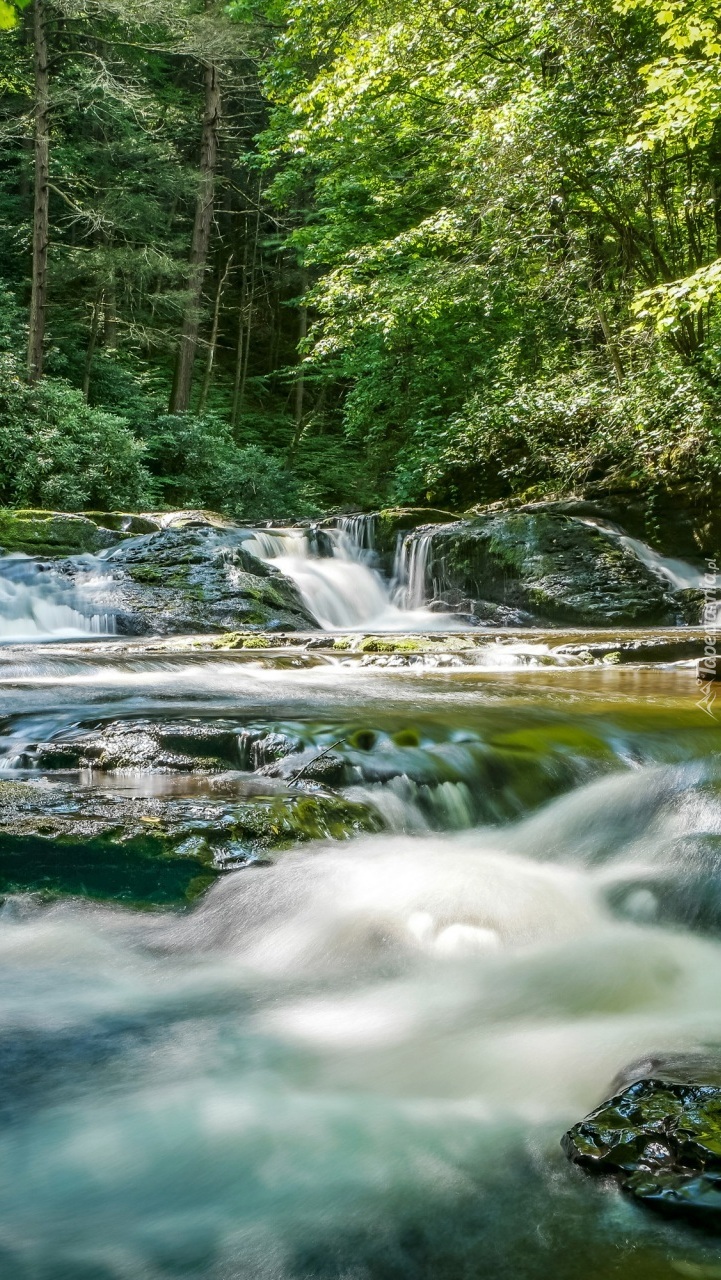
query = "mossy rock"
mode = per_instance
[
  {"x": 196, "y": 579},
  {"x": 395, "y": 520},
  {"x": 552, "y": 566},
  {"x": 49, "y": 534},
  {"x": 152, "y": 852},
  {"x": 663, "y": 1140}
]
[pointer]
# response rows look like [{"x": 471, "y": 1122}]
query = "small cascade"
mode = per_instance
[
  {"x": 344, "y": 590},
  {"x": 411, "y": 569},
  {"x": 38, "y": 603},
  {"x": 681, "y": 575},
  {"x": 360, "y": 532}
]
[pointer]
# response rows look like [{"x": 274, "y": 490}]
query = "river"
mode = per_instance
[{"x": 355, "y": 1058}]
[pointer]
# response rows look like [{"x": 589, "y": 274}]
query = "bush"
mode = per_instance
[
  {"x": 196, "y": 463},
  {"x": 561, "y": 433},
  {"x": 57, "y": 452}
]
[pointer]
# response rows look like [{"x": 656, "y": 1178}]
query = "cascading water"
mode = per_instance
[
  {"x": 37, "y": 602},
  {"x": 343, "y": 589},
  {"x": 353, "y": 1059},
  {"x": 681, "y": 575},
  {"x": 410, "y": 570}
]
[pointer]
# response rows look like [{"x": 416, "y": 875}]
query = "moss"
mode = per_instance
[
  {"x": 389, "y": 644},
  {"x": 342, "y": 643},
  {"x": 52, "y": 534},
  {"x": 663, "y": 1140}
]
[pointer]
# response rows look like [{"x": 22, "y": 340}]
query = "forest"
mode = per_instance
[{"x": 285, "y": 257}]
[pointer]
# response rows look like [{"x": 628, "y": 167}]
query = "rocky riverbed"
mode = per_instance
[{"x": 316, "y": 940}]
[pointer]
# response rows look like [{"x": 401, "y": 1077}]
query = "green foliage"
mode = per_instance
[
  {"x": 55, "y": 450},
  {"x": 555, "y": 436},
  {"x": 198, "y": 464},
  {"x": 500, "y": 219}
]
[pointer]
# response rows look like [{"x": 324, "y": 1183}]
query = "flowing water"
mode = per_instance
[
  {"x": 39, "y": 602},
  {"x": 345, "y": 590},
  {"x": 354, "y": 1058},
  {"x": 358, "y": 1060}
]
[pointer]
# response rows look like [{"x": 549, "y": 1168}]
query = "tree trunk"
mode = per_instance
[
  {"x": 300, "y": 379},
  {"x": 183, "y": 380},
  {"x": 213, "y": 337},
  {"x": 244, "y": 349},
  {"x": 41, "y": 230},
  {"x": 610, "y": 343},
  {"x": 92, "y": 343}
]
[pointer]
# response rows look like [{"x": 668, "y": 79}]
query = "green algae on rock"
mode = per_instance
[
  {"x": 195, "y": 580},
  {"x": 553, "y": 567},
  {"x": 663, "y": 1139},
  {"x": 50, "y": 534},
  {"x": 140, "y": 850}
]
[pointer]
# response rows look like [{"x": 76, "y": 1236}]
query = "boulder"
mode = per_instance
[
  {"x": 194, "y": 579},
  {"x": 662, "y": 1138},
  {"x": 53, "y": 533},
  {"x": 549, "y": 566}
]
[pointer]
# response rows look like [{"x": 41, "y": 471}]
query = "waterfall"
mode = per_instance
[
  {"x": 345, "y": 590},
  {"x": 39, "y": 603},
  {"x": 410, "y": 570},
  {"x": 681, "y": 575},
  {"x": 360, "y": 531}
]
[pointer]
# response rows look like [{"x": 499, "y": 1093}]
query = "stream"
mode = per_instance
[{"x": 352, "y": 1057}]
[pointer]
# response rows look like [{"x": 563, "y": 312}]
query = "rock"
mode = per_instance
[
  {"x": 662, "y": 1138},
  {"x": 150, "y": 850},
  {"x": 160, "y": 747},
  {"x": 394, "y": 520},
  {"x": 195, "y": 579},
  {"x": 125, "y": 521},
  {"x": 52, "y": 533},
  {"x": 653, "y": 648},
  {"x": 549, "y": 566},
  {"x": 708, "y": 670}
]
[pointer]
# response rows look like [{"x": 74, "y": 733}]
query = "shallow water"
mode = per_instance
[{"x": 358, "y": 1061}]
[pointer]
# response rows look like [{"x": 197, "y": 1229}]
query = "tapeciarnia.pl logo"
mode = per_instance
[{"x": 709, "y": 618}]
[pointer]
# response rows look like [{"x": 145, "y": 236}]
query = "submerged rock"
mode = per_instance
[
  {"x": 149, "y": 850},
  {"x": 195, "y": 579},
  {"x": 662, "y": 1138},
  {"x": 550, "y": 566}
]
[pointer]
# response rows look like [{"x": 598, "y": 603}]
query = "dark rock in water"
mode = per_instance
[
  {"x": 144, "y": 744},
  {"x": 196, "y": 579},
  {"x": 658, "y": 648},
  {"x": 159, "y": 746},
  {"x": 550, "y": 566},
  {"x": 663, "y": 1139}
]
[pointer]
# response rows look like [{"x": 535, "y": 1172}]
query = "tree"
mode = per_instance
[
  {"x": 41, "y": 194},
  {"x": 182, "y": 382}
]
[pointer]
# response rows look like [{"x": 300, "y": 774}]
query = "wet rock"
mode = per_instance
[
  {"x": 550, "y": 566},
  {"x": 662, "y": 1138},
  {"x": 312, "y": 765},
  {"x": 394, "y": 520},
  {"x": 143, "y": 849},
  {"x": 160, "y": 747},
  {"x": 653, "y": 648},
  {"x": 49, "y": 534},
  {"x": 195, "y": 579},
  {"x": 139, "y": 745}
]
